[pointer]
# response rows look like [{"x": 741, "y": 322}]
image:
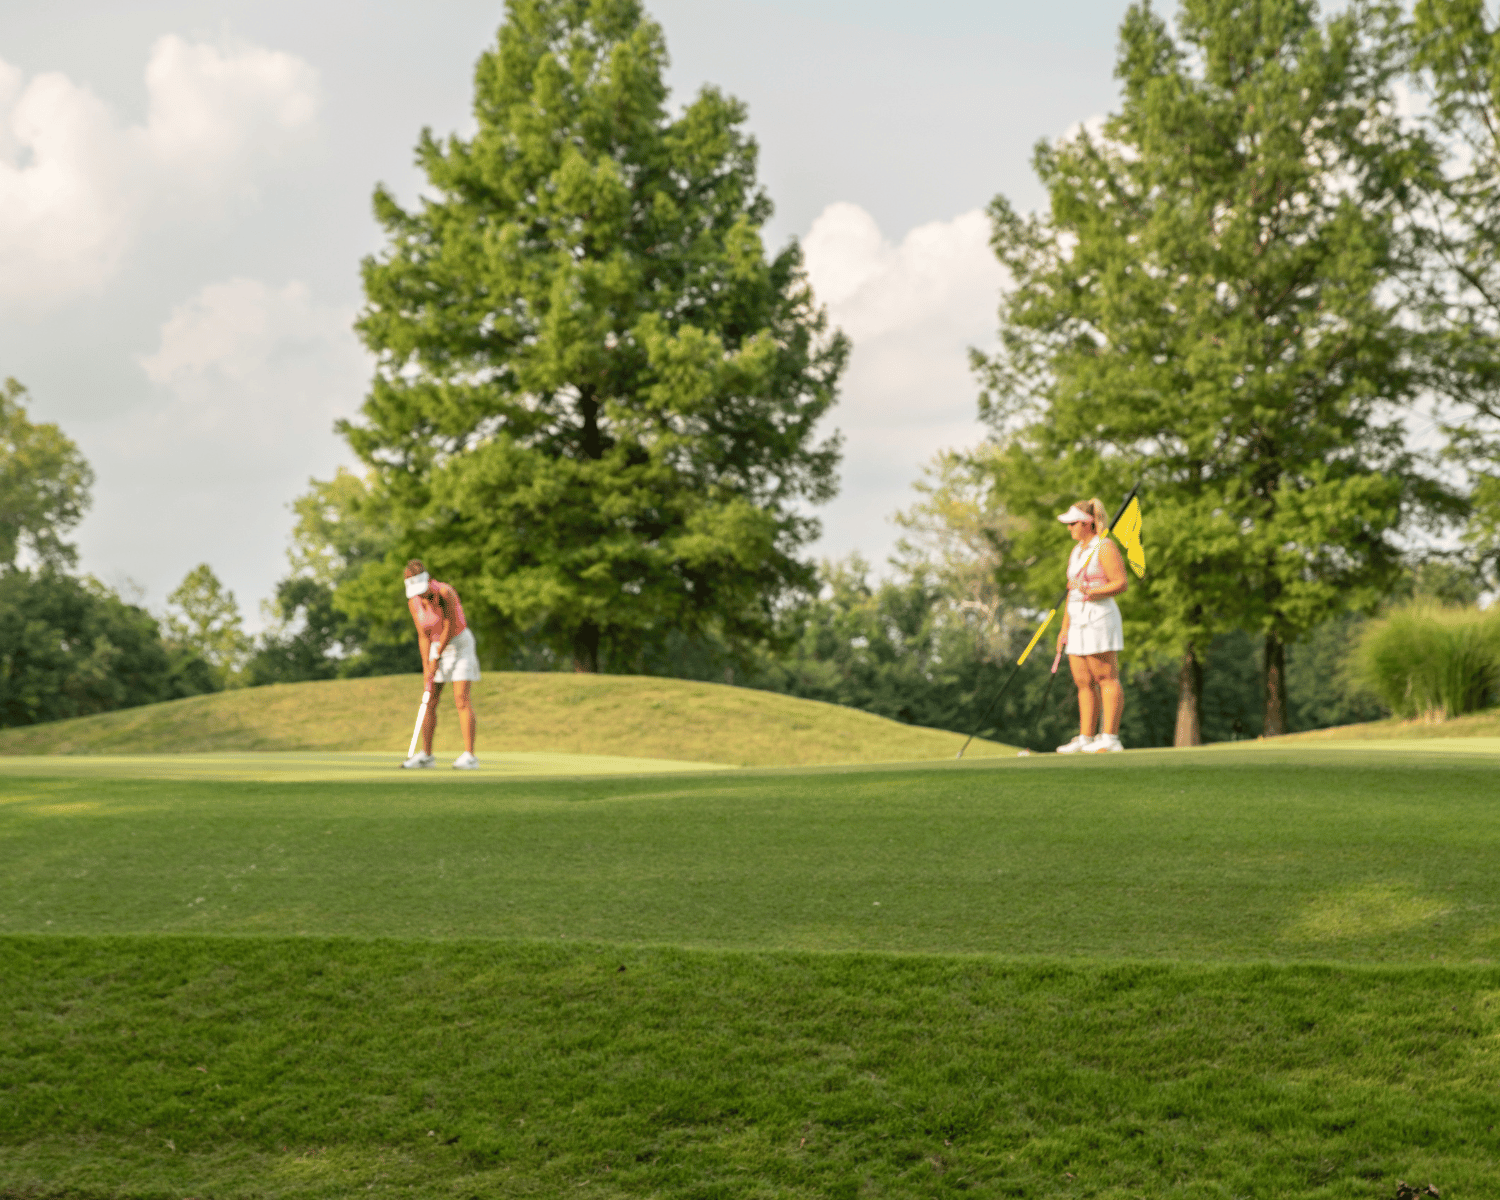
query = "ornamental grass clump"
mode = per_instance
[{"x": 1433, "y": 662}]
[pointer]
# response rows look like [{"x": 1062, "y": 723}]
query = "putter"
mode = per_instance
[{"x": 421, "y": 716}]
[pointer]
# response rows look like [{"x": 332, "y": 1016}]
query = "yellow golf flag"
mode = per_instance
[{"x": 1127, "y": 531}]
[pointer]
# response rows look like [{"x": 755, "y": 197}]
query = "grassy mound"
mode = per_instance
[
  {"x": 629, "y": 716},
  {"x": 1484, "y": 724}
]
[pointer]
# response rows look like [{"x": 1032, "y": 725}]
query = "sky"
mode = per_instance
[{"x": 185, "y": 201}]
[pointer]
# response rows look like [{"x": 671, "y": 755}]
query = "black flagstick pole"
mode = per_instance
[{"x": 1020, "y": 662}]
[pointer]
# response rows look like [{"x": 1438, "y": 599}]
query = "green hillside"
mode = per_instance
[
  {"x": 1484, "y": 724},
  {"x": 628, "y": 716}
]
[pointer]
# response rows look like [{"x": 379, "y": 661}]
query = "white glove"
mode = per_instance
[{"x": 432, "y": 652}]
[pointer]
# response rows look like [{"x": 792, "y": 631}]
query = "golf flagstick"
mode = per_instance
[
  {"x": 1037, "y": 636},
  {"x": 421, "y": 716}
]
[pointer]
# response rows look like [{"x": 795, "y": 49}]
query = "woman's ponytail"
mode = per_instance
[{"x": 1096, "y": 512}]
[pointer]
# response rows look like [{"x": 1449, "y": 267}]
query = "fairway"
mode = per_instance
[{"x": 1257, "y": 970}]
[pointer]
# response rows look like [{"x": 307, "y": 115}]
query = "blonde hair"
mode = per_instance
[{"x": 1096, "y": 512}]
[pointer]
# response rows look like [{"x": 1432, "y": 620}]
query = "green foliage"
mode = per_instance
[
  {"x": 955, "y": 537},
  {"x": 1431, "y": 662},
  {"x": 596, "y": 396},
  {"x": 337, "y": 615},
  {"x": 1324, "y": 689},
  {"x": 44, "y": 485},
  {"x": 1483, "y": 533},
  {"x": 1206, "y": 306},
  {"x": 883, "y": 648},
  {"x": 204, "y": 619},
  {"x": 302, "y": 648},
  {"x": 70, "y": 647},
  {"x": 343, "y": 526},
  {"x": 1453, "y": 49}
]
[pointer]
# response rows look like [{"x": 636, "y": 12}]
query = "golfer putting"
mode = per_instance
[
  {"x": 448, "y": 656},
  {"x": 1092, "y": 632}
]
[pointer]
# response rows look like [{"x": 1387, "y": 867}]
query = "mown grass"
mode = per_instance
[
  {"x": 1232, "y": 973},
  {"x": 223, "y": 1067},
  {"x": 1225, "y": 856},
  {"x": 569, "y": 714}
]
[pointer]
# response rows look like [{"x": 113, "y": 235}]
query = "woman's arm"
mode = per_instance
[
  {"x": 450, "y": 619},
  {"x": 1115, "y": 579},
  {"x": 422, "y": 640}
]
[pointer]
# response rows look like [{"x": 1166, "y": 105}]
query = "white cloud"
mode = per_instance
[
  {"x": 76, "y": 188},
  {"x": 215, "y": 116},
  {"x": 249, "y": 379},
  {"x": 912, "y": 309}
]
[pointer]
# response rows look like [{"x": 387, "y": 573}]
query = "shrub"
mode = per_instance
[{"x": 1433, "y": 662}]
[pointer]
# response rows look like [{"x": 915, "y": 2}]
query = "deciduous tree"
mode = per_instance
[
  {"x": 596, "y": 397},
  {"x": 44, "y": 485},
  {"x": 204, "y": 617},
  {"x": 1206, "y": 306}
]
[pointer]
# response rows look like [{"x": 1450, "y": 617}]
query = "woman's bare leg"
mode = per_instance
[
  {"x": 1088, "y": 705},
  {"x": 1105, "y": 670},
  {"x": 429, "y": 726},
  {"x": 465, "y": 712}
]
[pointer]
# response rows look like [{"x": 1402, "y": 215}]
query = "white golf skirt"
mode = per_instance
[
  {"x": 459, "y": 662},
  {"x": 1094, "y": 626}
]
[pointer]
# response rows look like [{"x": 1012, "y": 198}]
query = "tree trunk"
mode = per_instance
[
  {"x": 586, "y": 649},
  {"x": 1189, "y": 701},
  {"x": 1275, "y": 724},
  {"x": 588, "y": 408}
]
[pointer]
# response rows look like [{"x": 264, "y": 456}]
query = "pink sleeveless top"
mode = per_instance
[
  {"x": 1084, "y": 567},
  {"x": 430, "y": 619}
]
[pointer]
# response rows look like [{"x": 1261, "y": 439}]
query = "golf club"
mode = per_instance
[{"x": 421, "y": 716}]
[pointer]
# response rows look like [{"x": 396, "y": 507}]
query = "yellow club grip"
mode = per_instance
[{"x": 1036, "y": 637}]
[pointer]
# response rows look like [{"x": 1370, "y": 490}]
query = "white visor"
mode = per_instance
[
  {"x": 1075, "y": 514},
  {"x": 416, "y": 585}
]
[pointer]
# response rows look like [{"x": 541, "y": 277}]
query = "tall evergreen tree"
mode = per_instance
[
  {"x": 1205, "y": 306},
  {"x": 596, "y": 396}
]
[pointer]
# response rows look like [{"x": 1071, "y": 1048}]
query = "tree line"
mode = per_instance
[{"x": 598, "y": 395}]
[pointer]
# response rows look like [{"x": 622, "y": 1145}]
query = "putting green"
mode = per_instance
[
  {"x": 352, "y": 766},
  {"x": 311, "y": 767}
]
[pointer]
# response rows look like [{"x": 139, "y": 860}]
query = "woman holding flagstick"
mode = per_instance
[{"x": 1092, "y": 633}]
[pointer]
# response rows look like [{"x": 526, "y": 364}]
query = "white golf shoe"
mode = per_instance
[
  {"x": 418, "y": 761},
  {"x": 465, "y": 762},
  {"x": 1077, "y": 745},
  {"x": 1105, "y": 743}
]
